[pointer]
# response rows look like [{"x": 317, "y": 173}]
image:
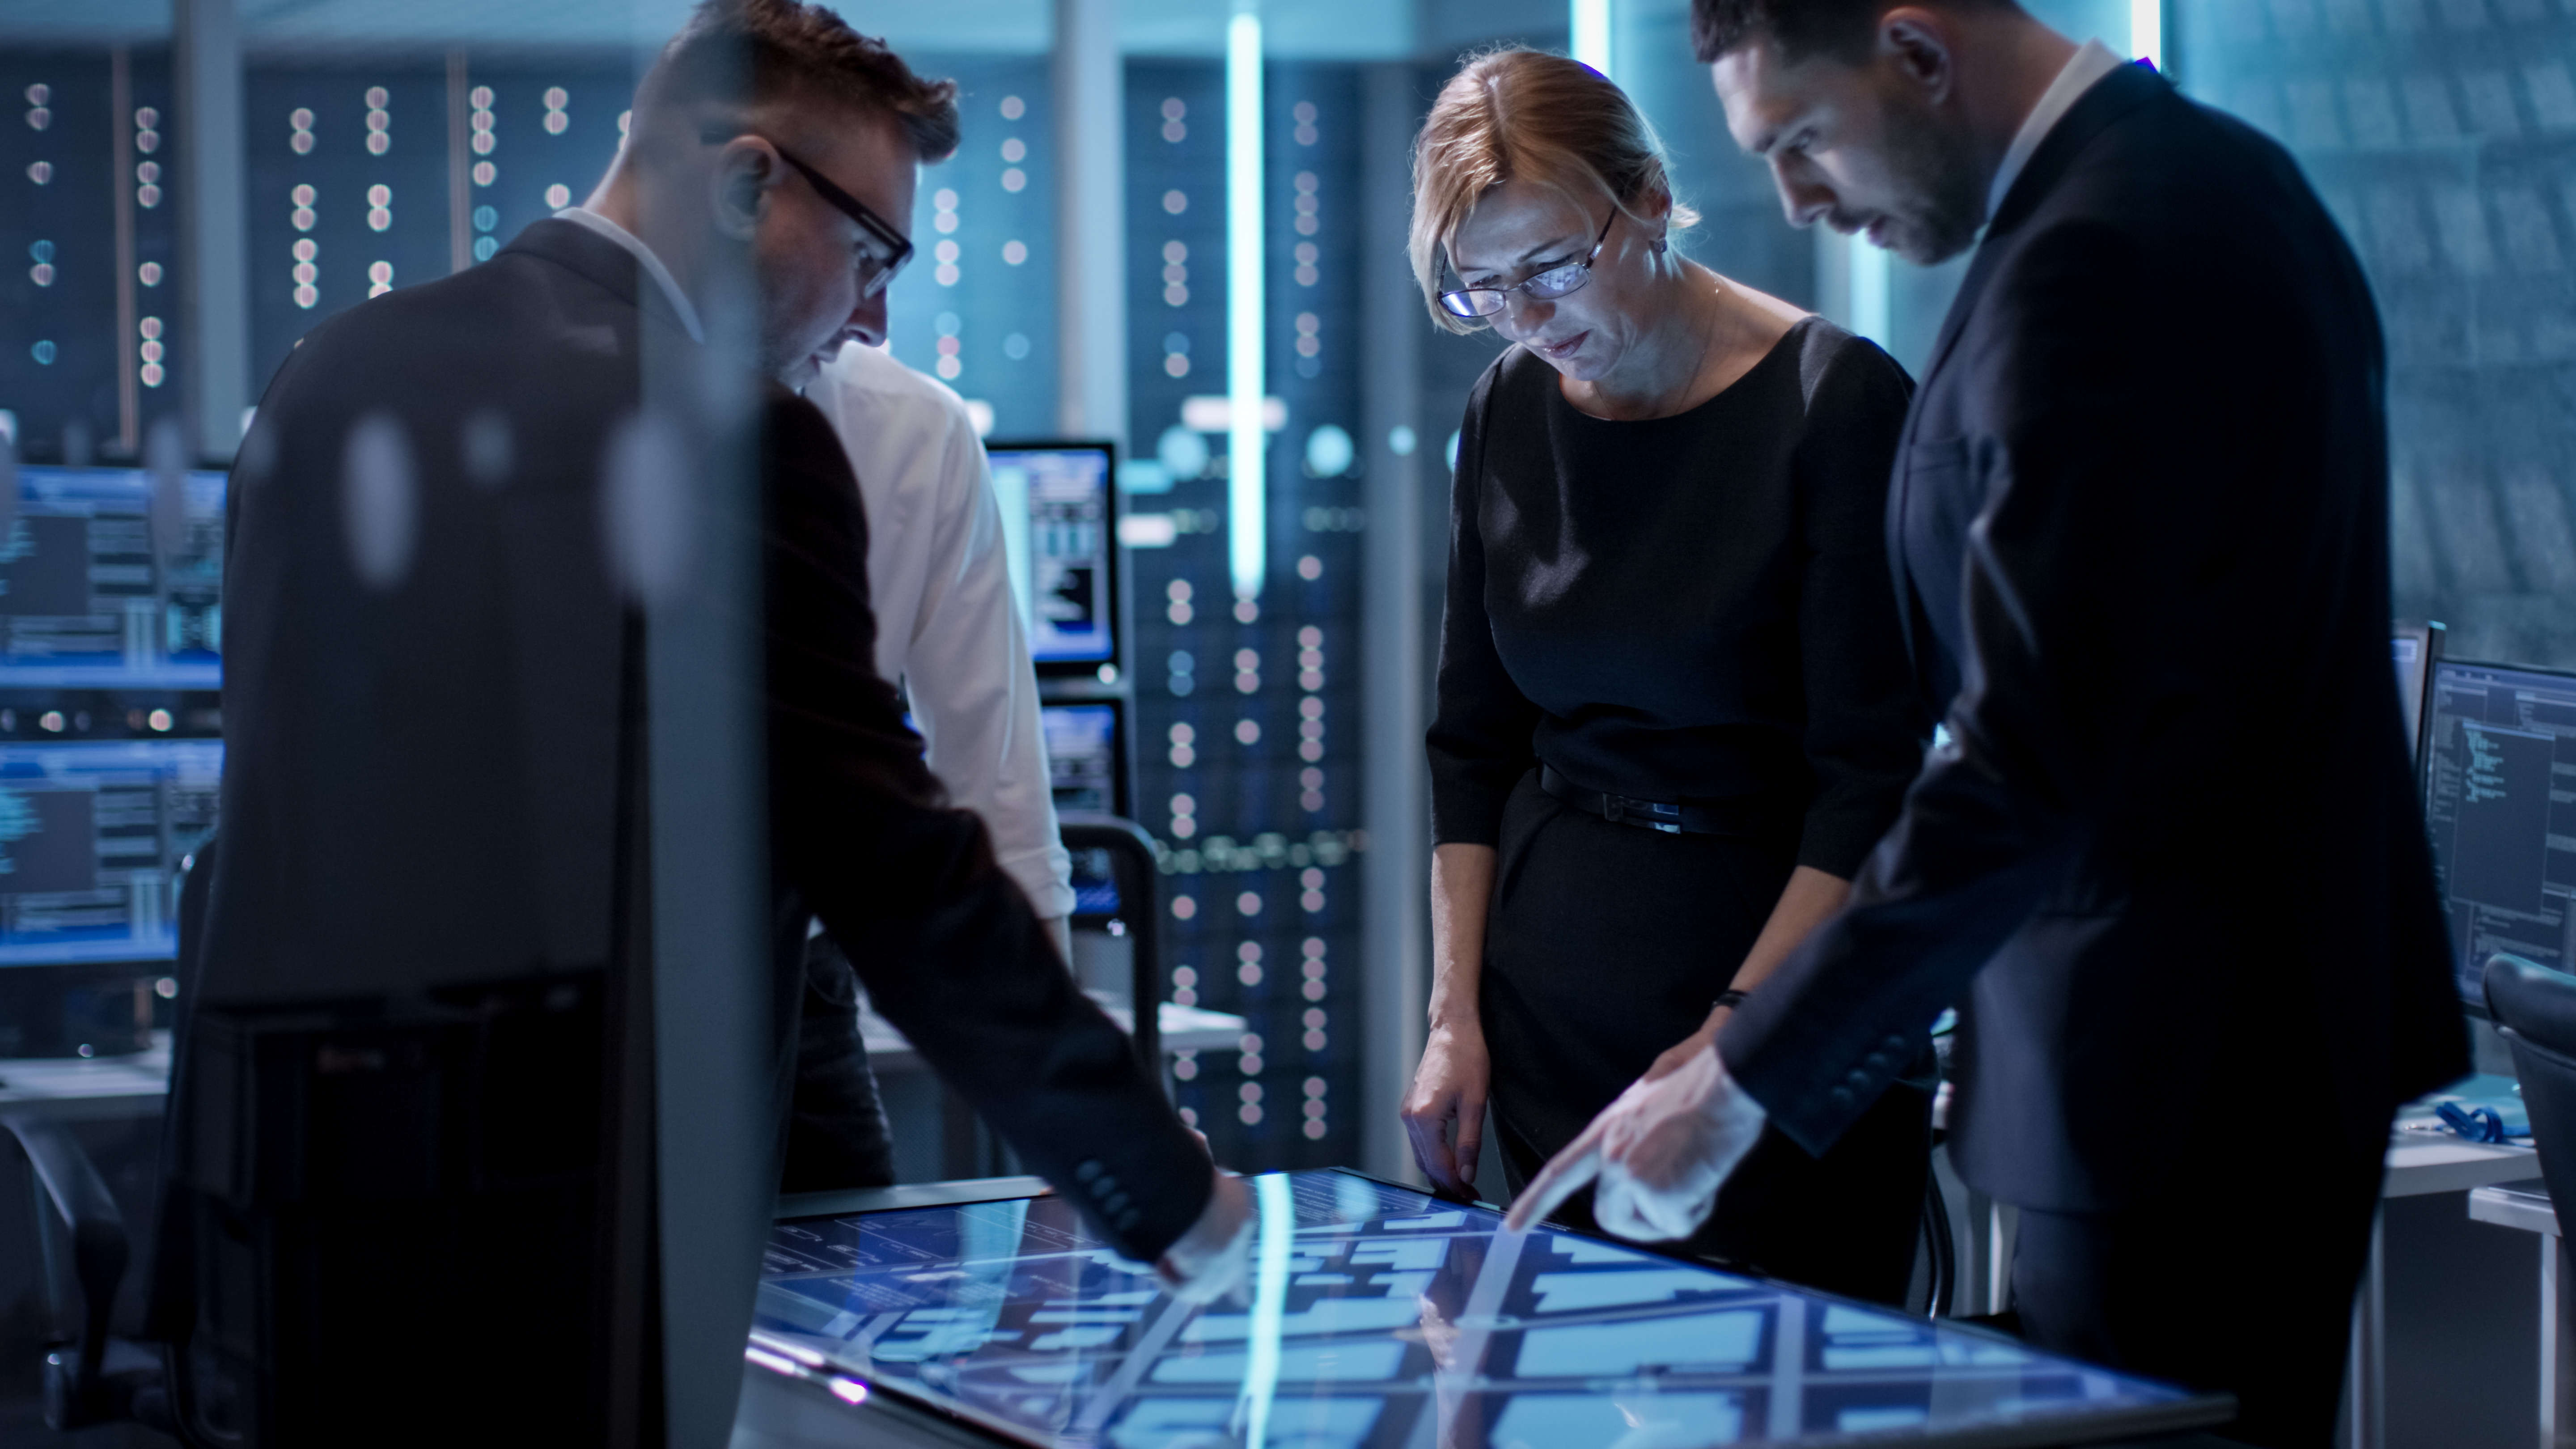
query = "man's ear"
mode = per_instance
[
  {"x": 1919, "y": 44},
  {"x": 747, "y": 170}
]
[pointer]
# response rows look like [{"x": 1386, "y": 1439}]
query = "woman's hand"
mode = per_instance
[
  {"x": 1449, "y": 1088},
  {"x": 1690, "y": 1046}
]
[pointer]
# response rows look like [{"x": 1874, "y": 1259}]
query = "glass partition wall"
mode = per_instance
[
  {"x": 387, "y": 155},
  {"x": 2442, "y": 133},
  {"x": 191, "y": 189}
]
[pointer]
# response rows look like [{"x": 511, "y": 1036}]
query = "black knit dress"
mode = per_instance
[{"x": 1694, "y": 611}]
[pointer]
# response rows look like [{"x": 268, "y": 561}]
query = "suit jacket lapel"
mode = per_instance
[
  {"x": 2113, "y": 96},
  {"x": 1897, "y": 568}
]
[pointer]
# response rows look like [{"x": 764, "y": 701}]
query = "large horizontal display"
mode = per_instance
[{"x": 1379, "y": 1316}]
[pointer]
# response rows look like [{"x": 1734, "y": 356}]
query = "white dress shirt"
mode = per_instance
[
  {"x": 2091, "y": 61},
  {"x": 661, "y": 275},
  {"x": 948, "y": 624}
]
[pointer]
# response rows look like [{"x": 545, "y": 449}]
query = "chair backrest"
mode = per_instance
[
  {"x": 314, "y": 1147},
  {"x": 1130, "y": 852},
  {"x": 2535, "y": 1008},
  {"x": 169, "y": 1266}
]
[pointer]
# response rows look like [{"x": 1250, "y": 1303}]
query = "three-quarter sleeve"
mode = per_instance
[
  {"x": 1480, "y": 736},
  {"x": 1865, "y": 733}
]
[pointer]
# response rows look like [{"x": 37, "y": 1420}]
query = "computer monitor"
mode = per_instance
[
  {"x": 1085, "y": 760},
  {"x": 104, "y": 585},
  {"x": 2504, "y": 853},
  {"x": 1377, "y": 1318},
  {"x": 91, "y": 836},
  {"x": 2415, "y": 647},
  {"x": 1060, "y": 530}
]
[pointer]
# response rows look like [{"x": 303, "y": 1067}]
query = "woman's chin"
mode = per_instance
[{"x": 1580, "y": 367}]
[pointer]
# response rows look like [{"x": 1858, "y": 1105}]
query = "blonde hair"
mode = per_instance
[{"x": 1526, "y": 115}]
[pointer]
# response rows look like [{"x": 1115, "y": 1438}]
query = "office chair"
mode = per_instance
[
  {"x": 1941, "y": 1250},
  {"x": 2535, "y": 1010},
  {"x": 1130, "y": 852},
  {"x": 96, "y": 1377},
  {"x": 273, "y": 1244}
]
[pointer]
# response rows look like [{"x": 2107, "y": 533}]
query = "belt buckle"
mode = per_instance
[{"x": 1619, "y": 810}]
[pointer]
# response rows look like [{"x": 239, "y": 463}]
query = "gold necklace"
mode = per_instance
[{"x": 1707, "y": 339}]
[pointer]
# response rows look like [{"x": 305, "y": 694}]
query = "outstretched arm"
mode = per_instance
[{"x": 947, "y": 944}]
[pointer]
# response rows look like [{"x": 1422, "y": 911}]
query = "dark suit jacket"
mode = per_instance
[
  {"x": 422, "y": 780},
  {"x": 2170, "y": 863}
]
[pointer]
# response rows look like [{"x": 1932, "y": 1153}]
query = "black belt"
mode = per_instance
[{"x": 1753, "y": 816}]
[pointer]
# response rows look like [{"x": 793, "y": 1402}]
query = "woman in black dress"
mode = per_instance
[{"x": 1674, "y": 712}]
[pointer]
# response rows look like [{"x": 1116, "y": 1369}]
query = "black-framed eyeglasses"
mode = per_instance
[
  {"x": 1558, "y": 281},
  {"x": 883, "y": 251}
]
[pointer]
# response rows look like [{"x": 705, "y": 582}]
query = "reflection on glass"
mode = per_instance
[{"x": 1380, "y": 1316}]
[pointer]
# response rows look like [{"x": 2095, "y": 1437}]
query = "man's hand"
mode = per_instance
[
  {"x": 1449, "y": 1088},
  {"x": 1657, "y": 1156},
  {"x": 1214, "y": 1258}
]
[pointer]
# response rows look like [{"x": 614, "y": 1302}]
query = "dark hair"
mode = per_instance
[
  {"x": 748, "y": 51},
  {"x": 1800, "y": 28}
]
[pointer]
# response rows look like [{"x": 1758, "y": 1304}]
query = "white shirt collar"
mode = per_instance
[
  {"x": 2092, "y": 61},
  {"x": 679, "y": 300}
]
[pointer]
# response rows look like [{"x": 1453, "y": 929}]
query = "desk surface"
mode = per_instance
[
  {"x": 73, "y": 1089},
  {"x": 2423, "y": 1162},
  {"x": 2528, "y": 1209},
  {"x": 1185, "y": 1028}
]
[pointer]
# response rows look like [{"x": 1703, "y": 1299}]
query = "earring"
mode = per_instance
[{"x": 1659, "y": 244}]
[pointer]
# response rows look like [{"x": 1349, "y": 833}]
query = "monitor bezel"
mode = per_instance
[
  {"x": 2428, "y": 635},
  {"x": 1116, "y": 662},
  {"x": 1121, "y": 798},
  {"x": 2475, "y": 1006}
]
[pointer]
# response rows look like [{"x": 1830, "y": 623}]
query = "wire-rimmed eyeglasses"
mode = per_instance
[
  {"x": 882, "y": 249},
  {"x": 1557, "y": 281}
]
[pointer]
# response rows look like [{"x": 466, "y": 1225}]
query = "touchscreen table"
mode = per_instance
[{"x": 1379, "y": 1316}]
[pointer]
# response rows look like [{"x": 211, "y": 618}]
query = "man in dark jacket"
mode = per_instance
[
  {"x": 455, "y": 496},
  {"x": 2167, "y": 862}
]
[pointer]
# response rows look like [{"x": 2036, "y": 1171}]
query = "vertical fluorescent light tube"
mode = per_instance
[
  {"x": 1269, "y": 1307},
  {"x": 1591, "y": 20},
  {"x": 1870, "y": 278},
  {"x": 1246, "y": 496},
  {"x": 2147, "y": 31}
]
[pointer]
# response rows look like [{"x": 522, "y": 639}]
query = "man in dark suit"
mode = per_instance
[
  {"x": 433, "y": 693},
  {"x": 2167, "y": 862}
]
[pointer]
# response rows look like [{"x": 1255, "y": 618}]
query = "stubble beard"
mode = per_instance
[{"x": 1945, "y": 206}]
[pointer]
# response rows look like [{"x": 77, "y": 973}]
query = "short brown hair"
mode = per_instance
[
  {"x": 748, "y": 51},
  {"x": 1800, "y": 28},
  {"x": 1525, "y": 114}
]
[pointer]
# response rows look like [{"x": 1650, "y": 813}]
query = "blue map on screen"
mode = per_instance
[{"x": 1379, "y": 1316}]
